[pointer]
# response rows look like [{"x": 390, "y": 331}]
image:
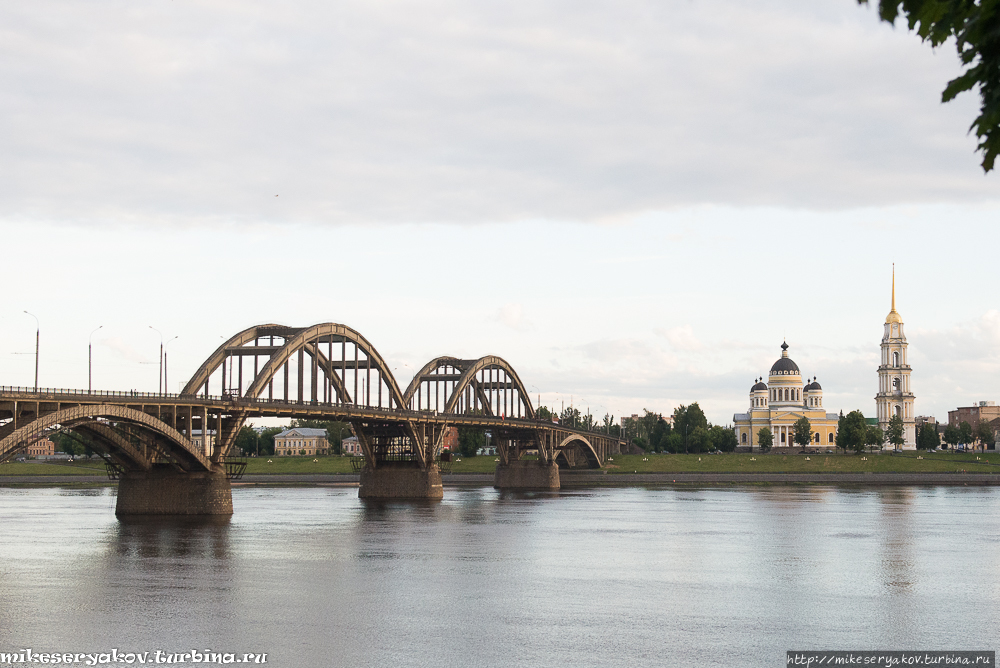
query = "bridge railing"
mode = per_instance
[
  {"x": 252, "y": 401},
  {"x": 90, "y": 393}
]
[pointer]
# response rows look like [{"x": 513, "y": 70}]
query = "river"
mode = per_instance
[{"x": 312, "y": 576}]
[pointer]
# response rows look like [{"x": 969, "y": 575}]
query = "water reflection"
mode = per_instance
[{"x": 598, "y": 577}]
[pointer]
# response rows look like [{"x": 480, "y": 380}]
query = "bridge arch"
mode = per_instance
[
  {"x": 95, "y": 419},
  {"x": 488, "y": 385},
  {"x": 323, "y": 366},
  {"x": 584, "y": 445}
]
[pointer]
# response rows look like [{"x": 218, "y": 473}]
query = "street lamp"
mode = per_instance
[
  {"x": 90, "y": 358},
  {"x": 165, "y": 385},
  {"x": 159, "y": 387},
  {"x": 38, "y": 333}
]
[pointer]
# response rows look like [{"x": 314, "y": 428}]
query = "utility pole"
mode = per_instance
[
  {"x": 90, "y": 361},
  {"x": 38, "y": 335},
  {"x": 159, "y": 387}
]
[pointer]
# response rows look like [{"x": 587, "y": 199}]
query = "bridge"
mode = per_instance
[{"x": 151, "y": 442}]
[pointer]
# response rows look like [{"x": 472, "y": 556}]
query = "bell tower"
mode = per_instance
[{"x": 895, "y": 396}]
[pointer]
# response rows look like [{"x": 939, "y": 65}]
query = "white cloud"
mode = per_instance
[
  {"x": 681, "y": 338},
  {"x": 386, "y": 111},
  {"x": 512, "y": 315},
  {"x": 125, "y": 350}
]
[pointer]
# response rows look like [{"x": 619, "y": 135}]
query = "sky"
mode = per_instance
[{"x": 634, "y": 203}]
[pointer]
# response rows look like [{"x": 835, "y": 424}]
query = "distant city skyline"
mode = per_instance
[{"x": 633, "y": 204}]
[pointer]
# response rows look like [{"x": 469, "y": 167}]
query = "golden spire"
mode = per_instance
[{"x": 893, "y": 315}]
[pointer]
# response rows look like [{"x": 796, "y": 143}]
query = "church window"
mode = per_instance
[
  {"x": 744, "y": 438},
  {"x": 831, "y": 437},
  {"x": 895, "y": 359},
  {"x": 899, "y": 411},
  {"x": 895, "y": 383},
  {"x": 782, "y": 437},
  {"x": 817, "y": 437}
]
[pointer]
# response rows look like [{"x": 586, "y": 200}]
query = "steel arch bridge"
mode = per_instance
[{"x": 327, "y": 371}]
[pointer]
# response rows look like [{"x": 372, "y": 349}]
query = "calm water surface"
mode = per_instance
[{"x": 605, "y": 577}]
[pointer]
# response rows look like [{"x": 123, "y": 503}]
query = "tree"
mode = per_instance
[
  {"x": 699, "y": 440},
  {"x": 570, "y": 417},
  {"x": 647, "y": 423},
  {"x": 723, "y": 438},
  {"x": 687, "y": 419},
  {"x": 470, "y": 439},
  {"x": 543, "y": 413},
  {"x": 965, "y": 429},
  {"x": 658, "y": 439},
  {"x": 984, "y": 433},
  {"x": 803, "y": 431},
  {"x": 266, "y": 440},
  {"x": 894, "y": 432},
  {"x": 609, "y": 424},
  {"x": 927, "y": 437},
  {"x": 765, "y": 439},
  {"x": 852, "y": 431},
  {"x": 73, "y": 443},
  {"x": 874, "y": 437},
  {"x": 975, "y": 26},
  {"x": 952, "y": 435},
  {"x": 674, "y": 442},
  {"x": 246, "y": 441}
]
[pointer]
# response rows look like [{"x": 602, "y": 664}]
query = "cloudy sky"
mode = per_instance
[{"x": 632, "y": 202}]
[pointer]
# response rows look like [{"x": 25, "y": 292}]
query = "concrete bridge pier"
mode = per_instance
[
  {"x": 401, "y": 480},
  {"x": 164, "y": 490},
  {"x": 527, "y": 474}
]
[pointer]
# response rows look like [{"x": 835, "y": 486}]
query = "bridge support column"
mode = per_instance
[
  {"x": 527, "y": 474},
  {"x": 166, "y": 491},
  {"x": 400, "y": 482}
]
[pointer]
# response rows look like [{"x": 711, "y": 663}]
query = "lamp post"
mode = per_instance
[
  {"x": 159, "y": 387},
  {"x": 165, "y": 385},
  {"x": 90, "y": 360},
  {"x": 38, "y": 334}
]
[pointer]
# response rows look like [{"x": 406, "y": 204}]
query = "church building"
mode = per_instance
[
  {"x": 895, "y": 396},
  {"x": 780, "y": 403}
]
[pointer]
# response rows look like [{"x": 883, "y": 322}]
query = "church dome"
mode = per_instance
[
  {"x": 812, "y": 386},
  {"x": 759, "y": 387},
  {"x": 784, "y": 363}
]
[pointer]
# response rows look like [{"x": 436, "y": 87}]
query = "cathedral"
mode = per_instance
[
  {"x": 778, "y": 404},
  {"x": 895, "y": 397}
]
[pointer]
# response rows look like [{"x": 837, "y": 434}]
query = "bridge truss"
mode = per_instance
[{"x": 324, "y": 372}]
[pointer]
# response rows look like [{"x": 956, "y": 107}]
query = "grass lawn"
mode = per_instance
[
  {"x": 938, "y": 462},
  {"x": 90, "y": 467}
]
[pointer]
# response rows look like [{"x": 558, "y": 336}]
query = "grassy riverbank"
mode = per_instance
[
  {"x": 93, "y": 467},
  {"x": 938, "y": 462},
  {"x": 729, "y": 463}
]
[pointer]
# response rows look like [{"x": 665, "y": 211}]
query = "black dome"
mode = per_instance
[
  {"x": 785, "y": 364},
  {"x": 812, "y": 386},
  {"x": 758, "y": 386}
]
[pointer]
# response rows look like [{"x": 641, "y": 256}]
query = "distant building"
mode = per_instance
[
  {"x": 351, "y": 446},
  {"x": 301, "y": 441},
  {"x": 984, "y": 410},
  {"x": 42, "y": 448},
  {"x": 450, "y": 440},
  {"x": 780, "y": 403},
  {"x": 206, "y": 443}
]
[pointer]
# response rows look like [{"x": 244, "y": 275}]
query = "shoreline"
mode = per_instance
[{"x": 572, "y": 479}]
